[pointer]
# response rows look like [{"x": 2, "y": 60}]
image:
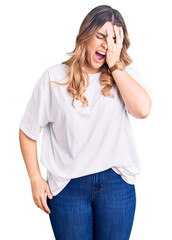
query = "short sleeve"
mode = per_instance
[
  {"x": 38, "y": 111},
  {"x": 134, "y": 73}
]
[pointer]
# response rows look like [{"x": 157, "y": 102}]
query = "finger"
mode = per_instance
[
  {"x": 45, "y": 206},
  {"x": 116, "y": 28},
  {"x": 110, "y": 40},
  {"x": 111, "y": 30},
  {"x": 120, "y": 38},
  {"x": 109, "y": 43},
  {"x": 48, "y": 191},
  {"x": 40, "y": 204},
  {"x": 121, "y": 32},
  {"x": 36, "y": 202}
]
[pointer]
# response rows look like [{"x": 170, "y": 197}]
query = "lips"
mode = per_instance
[
  {"x": 99, "y": 57},
  {"x": 101, "y": 51}
]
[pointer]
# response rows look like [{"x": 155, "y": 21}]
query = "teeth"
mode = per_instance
[{"x": 101, "y": 52}]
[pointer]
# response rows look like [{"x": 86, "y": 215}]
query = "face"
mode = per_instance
[{"x": 98, "y": 43}]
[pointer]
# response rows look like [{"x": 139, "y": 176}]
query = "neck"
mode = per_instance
[{"x": 90, "y": 70}]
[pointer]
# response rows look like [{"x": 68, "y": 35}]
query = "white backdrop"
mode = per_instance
[{"x": 36, "y": 34}]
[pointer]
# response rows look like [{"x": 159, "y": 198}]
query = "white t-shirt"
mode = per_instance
[{"x": 82, "y": 140}]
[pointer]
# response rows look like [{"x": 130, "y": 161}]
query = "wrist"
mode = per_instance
[
  {"x": 117, "y": 66},
  {"x": 33, "y": 178},
  {"x": 112, "y": 63}
]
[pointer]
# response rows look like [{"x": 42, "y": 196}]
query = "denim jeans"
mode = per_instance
[{"x": 99, "y": 206}]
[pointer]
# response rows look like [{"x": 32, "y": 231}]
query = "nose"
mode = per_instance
[{"x": 104, "y": 44}]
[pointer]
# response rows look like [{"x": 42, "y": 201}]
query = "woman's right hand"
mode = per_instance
[{"x": 39, "y": 188}]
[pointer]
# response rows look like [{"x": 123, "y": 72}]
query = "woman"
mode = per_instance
[{"x": 87, "y": 147}]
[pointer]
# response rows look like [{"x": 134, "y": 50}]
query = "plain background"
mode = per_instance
[{"x": 37, "y": 34}]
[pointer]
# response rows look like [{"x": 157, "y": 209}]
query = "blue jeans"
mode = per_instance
[{"x": 99, "y": 206}]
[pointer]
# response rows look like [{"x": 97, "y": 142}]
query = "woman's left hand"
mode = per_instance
[{"x": 114, "y": 49}]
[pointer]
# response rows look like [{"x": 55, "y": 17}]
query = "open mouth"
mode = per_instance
[{"x": 100, "y": 56}]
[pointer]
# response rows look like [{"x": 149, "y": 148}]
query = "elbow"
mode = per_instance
[
  {"x": 144, "y": 115},
  {"x": 142, "y": 111},
  {"x": 146, "y": 112}
]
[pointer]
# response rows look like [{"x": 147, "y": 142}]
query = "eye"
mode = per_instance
[{"x": 99, "y": 37}]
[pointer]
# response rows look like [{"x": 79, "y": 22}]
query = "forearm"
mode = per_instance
[
  {"x": 133, "y": 94},
  {"x": 29, "y": 151}
]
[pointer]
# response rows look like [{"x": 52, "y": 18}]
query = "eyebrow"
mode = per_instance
[{"x": 104, "y": 35}]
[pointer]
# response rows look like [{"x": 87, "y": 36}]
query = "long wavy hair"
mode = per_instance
[{"x": 94, "y": 20}]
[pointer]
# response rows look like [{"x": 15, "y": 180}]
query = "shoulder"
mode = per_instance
[
  {"x": 57, "y": 68},
  {"x": 52, "y": 73},
  {"x": 131, "y": 68},
  {"x": 134, "y": 72}
]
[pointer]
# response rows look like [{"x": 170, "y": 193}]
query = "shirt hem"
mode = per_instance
[
  {"x": 127, "y": 180},
  {"x": 59, "y": 189}
]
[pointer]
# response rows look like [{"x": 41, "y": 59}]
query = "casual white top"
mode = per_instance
[{"x": 82, "y": 140}]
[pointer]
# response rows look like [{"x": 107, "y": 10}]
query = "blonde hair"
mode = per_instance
[{"x": 94, "y": 20}]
